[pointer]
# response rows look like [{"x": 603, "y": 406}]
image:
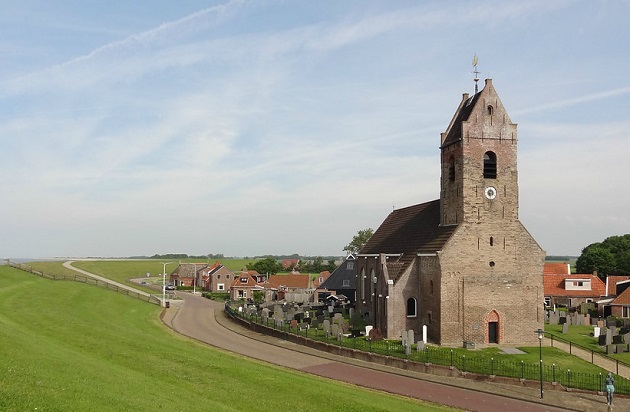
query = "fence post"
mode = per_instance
[
  {"x": 451, "y": 358},
  {"x": 522, "y": 370},
  {"x": 553, "y": 369},
  {"x": 463, "y": 363},
  {"x": 491, "y": 366},
  {"x": 568, "y": 378}
]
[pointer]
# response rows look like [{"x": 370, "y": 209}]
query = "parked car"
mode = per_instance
[{"x": 170, "y": 286}]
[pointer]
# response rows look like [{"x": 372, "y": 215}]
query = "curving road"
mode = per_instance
[{"x": 204, "y": 320}]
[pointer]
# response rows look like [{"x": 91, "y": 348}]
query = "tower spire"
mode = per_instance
[{"x": 475, "y": 72}]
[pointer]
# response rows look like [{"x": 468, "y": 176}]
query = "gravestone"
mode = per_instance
[
  {"x": 410, "y": 336},
  {"x": 565, "y": 328},
  {"x": 335, "y": 329},
  {"x": 601, "y": 340},
  {"x": 294, "y": 324},
  {"x": 420, "y": 346},
  {"x": 424, "y": 333},
  {"x": 626, "y": 338},
  {"x": 338, "y": 318},
  {"x": 609, "y": 335},
  {"x": 617, "y": 339},
  {"x": 610, "y": 349},
  {"x": 601, "y": 324},
  {"x": 553, "y": 318},
  {"x": 345, "y": 327},
  {"x": 326, "y": 326},
  {"x": 351, "y": 313},
  {"x": 265, "y": 313},
  {"x": 368, "y": 329},
  {"x": 403, "y": 338},
  {"x": 562, "y": 320},
  {"x": 596, "y": 332}
]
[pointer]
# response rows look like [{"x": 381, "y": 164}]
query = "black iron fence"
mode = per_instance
[
  {"x": 87, "y": 280},
  {"x": 465, "y": 363}
]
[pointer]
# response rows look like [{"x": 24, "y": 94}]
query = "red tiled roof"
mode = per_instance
[
  {"x": 323, "y": 275},
  {"x": 612, "y": 283},
  {"x": 623, "y": 299},
  {"x": 555, "y": 268},
  {"x": 290, "y": 281},
  {"x": 554, "y": 286}
]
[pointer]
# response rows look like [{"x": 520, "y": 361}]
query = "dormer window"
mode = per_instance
[{"x": 490, "y": 165}]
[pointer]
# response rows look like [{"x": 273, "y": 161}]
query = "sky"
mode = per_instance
[{"x": 276, "y": 127}]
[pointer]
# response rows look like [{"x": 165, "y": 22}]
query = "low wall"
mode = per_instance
[{"x": 391, "y": 361}]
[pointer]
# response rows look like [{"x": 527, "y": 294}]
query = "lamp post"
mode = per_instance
[
  {"x": 194, "y": 278},
  {"x": 164, "y": 282},
  {"x": 541, "y": 335}
]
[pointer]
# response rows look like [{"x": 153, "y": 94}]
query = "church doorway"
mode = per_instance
[{"x": 493, "y": 332}]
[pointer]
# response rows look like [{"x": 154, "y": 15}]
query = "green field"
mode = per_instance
[{"x": 67, "y": 346}]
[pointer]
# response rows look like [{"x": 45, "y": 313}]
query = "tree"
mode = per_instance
[
  {"x": 610, "y": 257},
  {"x": 358, "y": 241},
  {"x": 268, "y": 265}
]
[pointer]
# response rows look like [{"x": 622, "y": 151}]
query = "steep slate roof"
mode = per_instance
[
  {"x": 612, "y": 281},
  {"x": 343, "y": 272},
  {"x": 554, "y": 286},
  {"x": 454, "y": 134},
  {"x": 409, "y": 231}
]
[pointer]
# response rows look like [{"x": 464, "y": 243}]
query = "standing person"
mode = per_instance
[{"x": 610, "y": 388}]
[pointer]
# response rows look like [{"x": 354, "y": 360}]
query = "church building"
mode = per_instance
[{"x": 463, "y": 265}]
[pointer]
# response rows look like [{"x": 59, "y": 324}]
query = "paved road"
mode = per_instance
[{"x": 205, "y": 321}]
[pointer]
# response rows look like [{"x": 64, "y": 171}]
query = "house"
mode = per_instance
[
  {"x": 556, "y": 268},
  {"x": 293, "y": 287},
  {"x": 245, "y": 284},
  {"x": 291, "y": 264},
  {"x": 185, "y": 274},
  {"x": 321, "y": 278},
  {"x": 342, "y": 281},
  {"x": 620, "y": 305},
  {"x": 571, "y": 290},
  {"x": 216, "y": 278},
  {"x": 463, "y": 265}
]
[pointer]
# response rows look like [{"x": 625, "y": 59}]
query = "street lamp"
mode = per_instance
[
  {"x": 194, "y": 278},
  {"x": 541, "y": 335},
  {"x": 164, "y": 282}
]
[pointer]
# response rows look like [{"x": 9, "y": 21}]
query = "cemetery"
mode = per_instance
[
  {"x": 342, "y": 331},
  {"x": 609, "y": 335}
]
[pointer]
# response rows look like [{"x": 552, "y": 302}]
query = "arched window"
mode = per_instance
[
  {"x": 490, "y": 110},
  {"x": 490, "y": 165},
  {"x": 411, "y": 307},
  {"x": 372, "y": 282},
  {"x": 362, "y": 283}
]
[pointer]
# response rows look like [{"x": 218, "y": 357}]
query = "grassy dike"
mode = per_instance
[{"x": 66, "y": 346}]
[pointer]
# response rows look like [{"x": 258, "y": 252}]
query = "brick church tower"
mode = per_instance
[{"x": 463, "y": 265}]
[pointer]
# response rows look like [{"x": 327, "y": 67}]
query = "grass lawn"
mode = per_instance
[
  {"x": 67, "y": 346},
  {"x": 581, "y": 335}
]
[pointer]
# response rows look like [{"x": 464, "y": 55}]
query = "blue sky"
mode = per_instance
[{"x": 279, "y": 127}]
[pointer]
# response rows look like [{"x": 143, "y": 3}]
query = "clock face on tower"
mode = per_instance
[{"x": 490, "y": 192}]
